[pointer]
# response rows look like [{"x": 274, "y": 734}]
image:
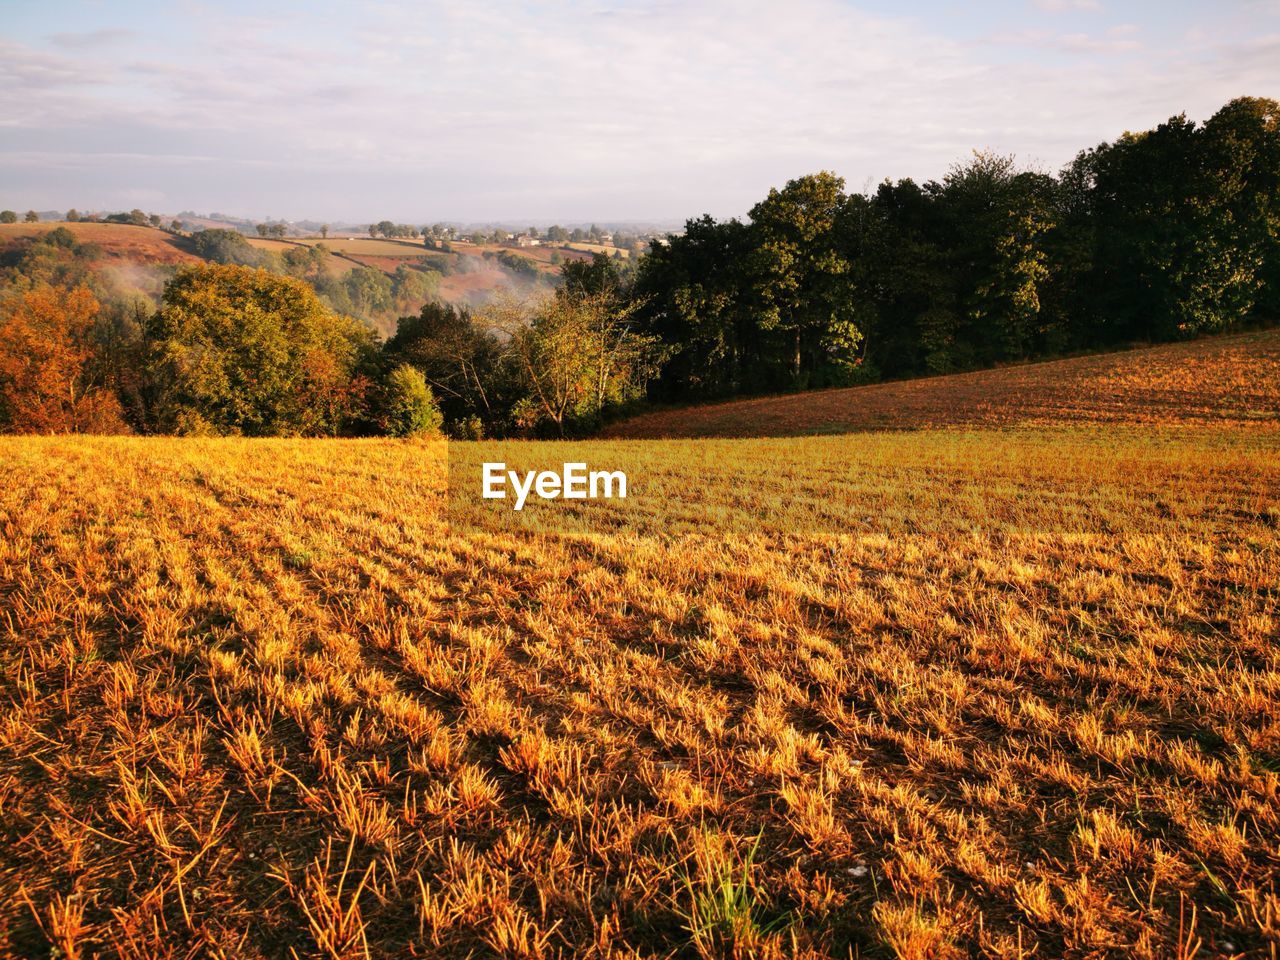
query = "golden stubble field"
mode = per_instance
[
  {"x": 1004, "y": 693},
  {"x": 1226, "y": 381}
]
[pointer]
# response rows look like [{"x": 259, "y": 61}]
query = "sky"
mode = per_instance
[{"x": 579, "y": 110}]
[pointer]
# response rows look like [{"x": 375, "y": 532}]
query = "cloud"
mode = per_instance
[
  {"x": 91, "y": 38},
  {"x": 1063, "y": 6},
  {"x": 583, "y": 109}
]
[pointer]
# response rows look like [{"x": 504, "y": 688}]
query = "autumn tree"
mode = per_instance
[
  {"x": 240, "y": 351},
  {"x": 308, "y": 262},
  {"x": 48, "y": 381}
]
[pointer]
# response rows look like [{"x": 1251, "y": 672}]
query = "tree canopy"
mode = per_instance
[
  {"x": 49, "y": 382},
  {"x": 1163, "y": 234},
  {"x": 239, "y": 351}
]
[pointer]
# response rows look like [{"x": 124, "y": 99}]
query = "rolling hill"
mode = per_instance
[
  {"x": 472, "y": 274},
  {"x": 1231, "y": 379},
  {"x": 120, "y": 243}
]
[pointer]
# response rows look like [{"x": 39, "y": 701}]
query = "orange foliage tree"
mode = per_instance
[{"x": 47, "y": 381}]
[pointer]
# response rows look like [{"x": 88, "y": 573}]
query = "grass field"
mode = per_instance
[
  {"x": 372, "y": 246},
  {"x": 605, "y": 248},
  {"x": 963, "y": 691}
]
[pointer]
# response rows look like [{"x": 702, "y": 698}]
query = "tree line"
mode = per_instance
[
  {"x": 1168, "y": 233},
  {"x": 1158, "y": 235}
]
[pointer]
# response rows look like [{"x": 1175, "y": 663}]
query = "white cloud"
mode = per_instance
[
  {"x": 89, "y": 38},
  {"x": 582, "y": 109},
  {"x": 1062, "y": 6}
]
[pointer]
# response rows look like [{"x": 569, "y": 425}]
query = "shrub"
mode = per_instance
[{"x": 409, "y": 408}]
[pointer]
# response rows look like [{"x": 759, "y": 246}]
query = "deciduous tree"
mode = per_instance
[
  {"x": 240, "y": 351},
  {"x": 47, "y": 375}
]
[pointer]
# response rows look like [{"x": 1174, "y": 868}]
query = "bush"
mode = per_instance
[
  {"x": 468, "y": 428},
  {"x": 60, "y": 237},
  {"x": 410, "y": 407},
  {"x": 226, "y": 246}
]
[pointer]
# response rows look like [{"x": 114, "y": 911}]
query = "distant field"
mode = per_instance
[
  {"x": 279, "y": 246},
  {"x": 539, "y": 256},
  {"x": 1222, "y": 380},
  {"x": 336, "y": 266},
  {"x": 372, "y": 246},
  {"x": 119, "y": 241},
  {"x": 599, "y": 248},
  {"x": 544, "y": 254}
]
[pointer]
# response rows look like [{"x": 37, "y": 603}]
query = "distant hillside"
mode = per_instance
[
  {"x": 1220, "y": 380},
  {"x": 471, "y": 276},
  {"x": 119, "y": 242}
]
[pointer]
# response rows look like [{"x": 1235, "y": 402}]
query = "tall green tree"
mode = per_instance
[
  {"x": 803, "y": 293},
  {"x": 994, "y": 219},
  {"x": 1167, "y": 265},
  {"x": 694, "y": 293},
  {"x": 1242, "y": 144}
]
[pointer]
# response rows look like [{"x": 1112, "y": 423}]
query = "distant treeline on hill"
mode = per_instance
[{"x": 1156, "y": 236}]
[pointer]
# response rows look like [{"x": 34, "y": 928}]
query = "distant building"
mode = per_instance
[{"x": 526, "y": 241}]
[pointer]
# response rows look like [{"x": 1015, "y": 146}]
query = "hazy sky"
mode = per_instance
[{"x": 420, "y": 110}]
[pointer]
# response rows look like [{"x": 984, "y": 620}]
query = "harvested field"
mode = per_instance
[
  {"x": 1001, "y": 692},
  {"x": 1218, "y": 380},
  {"x": 373, "y": 246},
  {"x": 605, "y": 248}
]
